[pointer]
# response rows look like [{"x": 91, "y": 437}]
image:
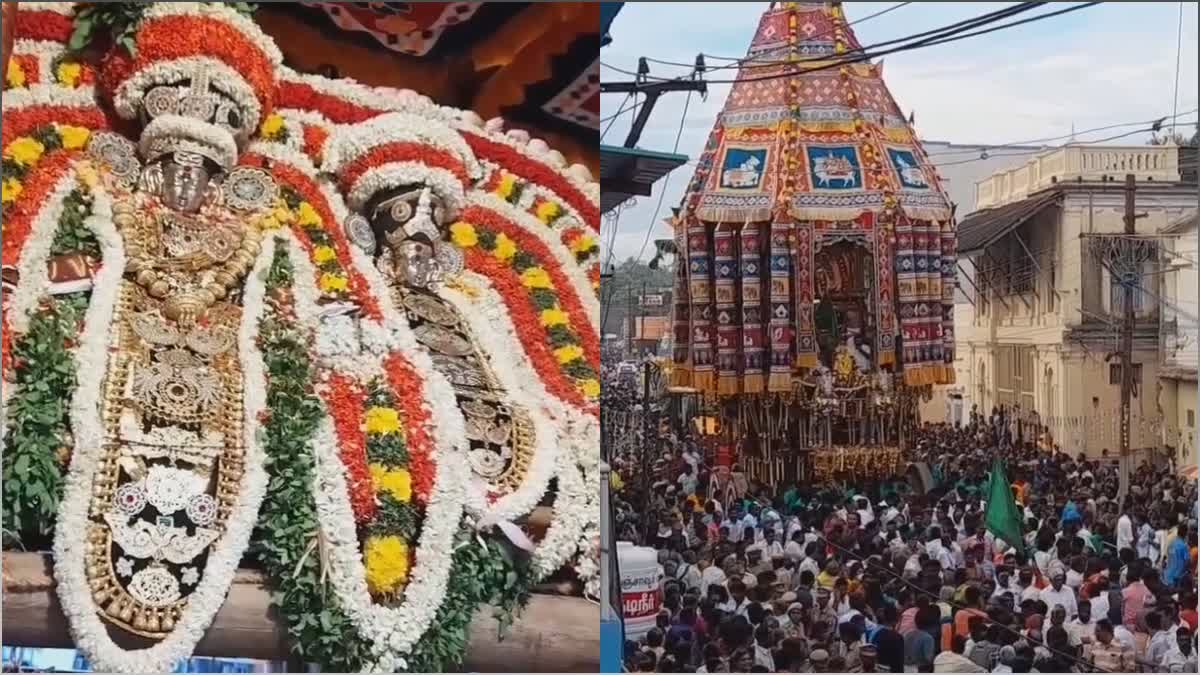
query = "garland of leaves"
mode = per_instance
[
  {"x": 44, "y": 372},
  {"x": 286, "y": 539},
  {"x": 484, "y": 571}
]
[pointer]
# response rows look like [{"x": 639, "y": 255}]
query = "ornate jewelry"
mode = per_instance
[
  {"x": 358, "y": 230},
  {"x": 250, "y": 189},
  {"x": 117, "y": 154}
]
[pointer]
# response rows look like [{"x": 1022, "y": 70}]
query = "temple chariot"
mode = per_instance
[{"x": 814, "y": 294}]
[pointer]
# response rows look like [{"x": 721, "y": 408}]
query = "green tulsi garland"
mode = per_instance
[
  {"x": 44, "y": 371},
  {"x": 320, "y": 631},
  {"x": 487, "y": 574}
]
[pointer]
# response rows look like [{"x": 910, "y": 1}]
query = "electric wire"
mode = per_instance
[
  {"x": 1059, "y": 138},
  {"x": 662, "y": 193},
  {"x": 612, "y": 118},
  {"x": 857, "y": 57}
]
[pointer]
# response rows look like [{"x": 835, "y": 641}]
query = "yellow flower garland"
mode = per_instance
[
  {"x": 396, "y": 482},
  {"x": 505, "y": 248},
  {"x": 25, "y": 151},
  {"x": 68, "y": 74},
  {"x": 14, "y": 76},
  {"x": 74, "y": 138},
  {"x": 12, "y": 190},
  {"x": 386, "y": 561},
  {"x": 536, "y": 277},
  {"x": 323, "y": 254},
  {"x": 381, "y": 421},
  {"x": 463, "y": 235},
  {"x": 332, "y": 283}
]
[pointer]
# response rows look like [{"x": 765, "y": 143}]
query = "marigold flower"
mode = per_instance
[
  {"x": 73, "y": 137},
  {"x": 12, "y": 190},
  {"x": 505, "y": 248},
  {"x": 568, "y": 354},
  {"x": 323, "y": 254},
  {"x": 69, "y": 73},
  {"x": 272, "y": 126},
  {"x": 463, "y": 235},
  {"x": 536, "y": 277},
  {"x": 87, "y": 175},
  {"x": 386, "y": 561},
  {"x": 25, "y": 151},
  {"x": 507, "y": 184},
  {"x": 331, "y": 283},
  {"x": 381, "y": 421},
  {"x": 307, "y": 216},
  {"x": 548, "y": 211},
  {"x": 554, "y": 317},
  {"x": 14, "y": 77},
  {"x": 396, "y": 482},
  {"x": 583, "y": 244},
  {"x": 590, "y": 388}
]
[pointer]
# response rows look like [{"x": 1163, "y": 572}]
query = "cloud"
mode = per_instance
[{"x": 1108, "y": 64}]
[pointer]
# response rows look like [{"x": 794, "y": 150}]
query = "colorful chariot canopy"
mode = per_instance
[
  {"x": 805, "y": 135},
  {"x": 812, "y": 186}
]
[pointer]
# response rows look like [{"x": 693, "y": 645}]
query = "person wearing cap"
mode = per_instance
[{"x": 818, "y": 660}]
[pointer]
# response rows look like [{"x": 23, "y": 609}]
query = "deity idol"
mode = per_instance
[{"x": 390, "y": 321}]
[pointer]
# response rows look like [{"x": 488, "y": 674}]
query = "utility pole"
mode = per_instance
[
  {"x": 642, "y": 313},
  {"x": 1127, "y": 325},
  {"x": 647, "y": 447},
  {"x": 629, "y": 318}
]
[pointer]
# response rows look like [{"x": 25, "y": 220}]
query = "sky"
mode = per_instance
[{"x": 1107, "y": 64}]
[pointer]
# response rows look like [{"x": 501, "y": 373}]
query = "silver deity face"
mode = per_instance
[
  {"x": 402, "y": 211},
  {"x": 185, "y": 182},
  {"x": 414, "y": 264}
]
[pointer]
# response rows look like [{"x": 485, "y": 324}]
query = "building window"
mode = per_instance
[
  {"x": 1191, "y": 418},
  {"x": 1114, "y": 375}
]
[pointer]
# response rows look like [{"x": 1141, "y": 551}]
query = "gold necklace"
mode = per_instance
[{"x": 188, "y": 286}]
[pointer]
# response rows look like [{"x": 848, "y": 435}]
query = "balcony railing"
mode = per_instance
[{"x": 1158, "y": 163}]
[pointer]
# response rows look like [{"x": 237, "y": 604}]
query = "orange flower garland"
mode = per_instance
[
  {"x": 409, "y": 389},
  {"x": 309, "y": 191},
  {"x": 43, "y": 25},
  {"x": 535, "y": 172},
  {"x": 25, "y": 121},
  {"x": 344, "y": 399},
  {"x": 168, "y": 38},
  {"x": 38, "y": 184},
  {"x": 494, "y": 222},
  {"x": 314, "y": 142},
  {"x": 304, "y": 97},
  {"x": 402, "y": 152}
]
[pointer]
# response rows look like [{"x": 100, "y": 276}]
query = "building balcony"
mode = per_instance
[{"x": 1151, "y": 163}]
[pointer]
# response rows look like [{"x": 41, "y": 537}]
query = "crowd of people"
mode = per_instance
[{"x": 872, "y": 577}]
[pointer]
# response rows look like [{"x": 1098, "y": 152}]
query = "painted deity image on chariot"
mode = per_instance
[{"x": 253, "y": 313}]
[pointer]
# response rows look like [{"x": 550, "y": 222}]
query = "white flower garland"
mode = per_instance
[
  {"x": 392, "y": 174},
  {"x": 488, "y": 319},
  {"x": 89, "y": 632},
  {"x": 129, "y": 95},
  {"x": 208, "y": 136},
  {"x": 350, "y": 142},
  {"x": 383, "y": 99},
  {"x": 48, "y": 93},
  {"x": 64, "y": 8},
  {"x": 34, "y": 279},
  {"x": 392, "y": 632},
  {"x": 581, "y": 285},
  {"x": 577, "y": 174},
  {"x": 578, "y": 434},
  {"x": 45, "y": 51}
]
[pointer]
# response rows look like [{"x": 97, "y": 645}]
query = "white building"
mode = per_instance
[{"x": 1177, "y": 394}]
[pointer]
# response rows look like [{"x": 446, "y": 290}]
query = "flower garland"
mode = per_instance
[
  {"x": 573, "y": 431},
  {"x": 288, "y": 531},
  {"x": 535, "y": 172},
  {"x": 344, "y": 399},
  {"x": 30, "y": 248},
  {"x": 548, "y": 245},
  {"x": 24, "y": 154},
  {"x": 51, "y": 21},
  {"x": 532, "y": 291},
  {"x": 305, "y": 204},
  {"x": 395, "y": 525}
]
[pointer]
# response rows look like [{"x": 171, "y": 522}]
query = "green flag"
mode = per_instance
[{"x": 1003, "y": 519}]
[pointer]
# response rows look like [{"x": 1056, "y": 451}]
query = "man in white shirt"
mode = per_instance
[
  {"x": 1060, "y": 594},
  {"x": 1182, "y": 657},
  {"x": 1124, "y": 532}
]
